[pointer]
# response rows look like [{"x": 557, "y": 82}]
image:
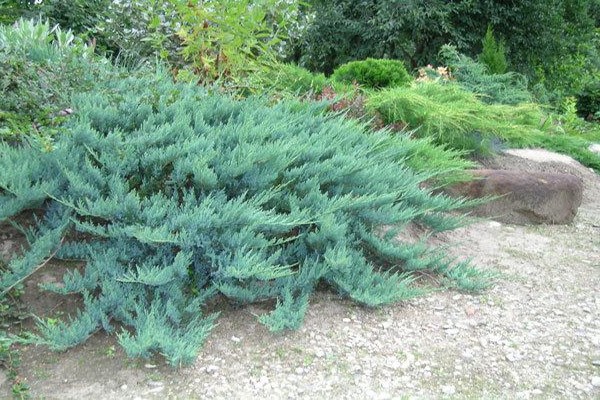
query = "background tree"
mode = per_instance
[{"x": 550, "y": 41}]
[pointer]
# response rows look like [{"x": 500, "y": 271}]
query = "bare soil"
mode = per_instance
[{"x": 535, "y": 334}]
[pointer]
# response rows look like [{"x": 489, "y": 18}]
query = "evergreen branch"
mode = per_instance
[{"x": 34, "y": 270}]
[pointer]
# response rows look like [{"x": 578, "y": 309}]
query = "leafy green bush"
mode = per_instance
[
  {"x": 372, "y": 73},
  {"x": 473, "y": 76},
  {"x": 118, "y": 28},
  {"x": 230, "y": 39},
  {"x": 40, "y": 68},
  {"x": 171, "y": 196}
]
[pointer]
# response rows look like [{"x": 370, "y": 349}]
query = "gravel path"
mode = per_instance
[{"x": 535, "y": 334}]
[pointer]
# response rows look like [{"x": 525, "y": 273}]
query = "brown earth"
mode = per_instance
[{"x": 535, "y": 334}]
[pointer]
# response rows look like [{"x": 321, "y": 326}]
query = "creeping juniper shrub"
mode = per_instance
[
  {"x": 492, "y": 88},
  {"x": 171, "y": 196},
  {"x": 373, "y": 73}
]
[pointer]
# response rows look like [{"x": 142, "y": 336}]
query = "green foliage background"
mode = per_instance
[{"x": 548, "y": 41}]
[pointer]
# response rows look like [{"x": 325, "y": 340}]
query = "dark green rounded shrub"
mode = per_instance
[
  {"x": 588, "y": 101},
  {"x": 373, "y": 73}
]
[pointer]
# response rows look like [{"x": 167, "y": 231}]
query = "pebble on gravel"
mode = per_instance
[
  {"x": 3, "y": 378},
  {"x": 211, "y": 369},
  {"x": 596, "y": 381},
  {"x": 448, "y": 390}
]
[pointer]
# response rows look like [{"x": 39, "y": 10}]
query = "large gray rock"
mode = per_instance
[{"x": 524, "y": 197}]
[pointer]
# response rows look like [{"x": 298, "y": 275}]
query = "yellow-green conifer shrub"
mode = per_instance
[{"x": 373, "y": 73}]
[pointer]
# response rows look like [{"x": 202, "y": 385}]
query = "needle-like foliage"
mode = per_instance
[{"x": 171, "y": 196}]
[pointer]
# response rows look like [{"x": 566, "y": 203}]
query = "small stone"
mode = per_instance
[
  {"x": 473, "y": 323},
  {"x": 594, "y": 148},
  {"x": 408, "y": 362},
  {"x": 452, "y": 331},
  {"x": 211, "y": 369},
  {"x": 494, "y": 224},
  {"x": 596, "y": 381},
  {"x": 235, "y": 339},
  {"x": 386, "y": 324},
  {"x": 448, "y": 390},
  {"x": 470, "y": 311},
  {"x": 155, "y": 383},
  {"x": 394, "y": 364},
  {"x": 149, "y": 366},
  {"x": 262, "y": 382},
  {"x": 457, "y": 297},
  {"x": 537, "y": 392},
  {"x": 346, "y": 320},
  {"x": 596, "y": 363},
  {"x": 123, "y": 387}
]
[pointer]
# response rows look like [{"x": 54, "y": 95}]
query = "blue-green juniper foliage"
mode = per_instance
[{"x": 172, "y": 196}]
